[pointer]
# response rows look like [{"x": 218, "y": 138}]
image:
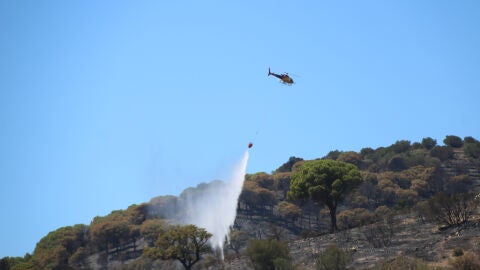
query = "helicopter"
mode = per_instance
[{"x": 284, "y": 78}]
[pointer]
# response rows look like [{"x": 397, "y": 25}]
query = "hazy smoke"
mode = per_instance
[{"x": 214, "y": 206}]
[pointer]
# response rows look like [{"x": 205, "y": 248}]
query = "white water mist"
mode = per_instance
[{"x": 215, "y": 208}]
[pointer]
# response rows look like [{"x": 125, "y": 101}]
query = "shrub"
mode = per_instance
[
  {"x": 350, "y": 157},
  {"x": 282, "y": 264},
  {"x": 382, "y": 212},
  {"x": 449, "y": 209},
  {"x": 366, "y": 151},
  {"x": 345, "y": 219},
  {"x": 420, "y": 186},
  {"x": 417, "y": 145},
  {"x": 470, "y": 139},
  {"x": 442, "y": 152},
  {"x": 282, "y": 183},
  {"x": 402, "y": 263},
  {"x": 363, "y": 216},
  {"x": 397, "y": 163},
  {"x": 332, "y": 258},
  {"x": 359, "y": 201},
  {"x": 353, "y": 218},
  {"x": 472, "y": 149},
  {"x": 289, "y": 211},
  {"x": 264, "y": 180},
  {"x": 422, "y": 210},
  {"x": 459, "y": 184},
  {"x": 457, "y": 252},
  {"x": 381, "y": 233},
  {"x": 429, "y": 143},
  {"x": 417, "y": 157},
  {"x": 265, "y": 253},
  {"x": 373, "y": 168},
  {"x": 466, "y": 262},
  {"x": 238, "y": 239},
  {"x": 368, "y": 187},
  {"x": 333, "y": 155},
  {"x": 405, "y": 198},
  {"x": 388, "y": 195},
  {"x": 287, "y": 166},
  {"x": 400, "y": 146},
  {"x": 453, "y": 141}
]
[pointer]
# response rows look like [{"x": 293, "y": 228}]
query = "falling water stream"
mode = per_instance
[{"x": 215, "y": 208}]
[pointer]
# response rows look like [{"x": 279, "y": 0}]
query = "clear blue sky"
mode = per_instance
[{"x": 104, "y": 104}]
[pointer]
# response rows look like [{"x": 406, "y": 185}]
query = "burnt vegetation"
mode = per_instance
[{"x": 430, "y": 183}]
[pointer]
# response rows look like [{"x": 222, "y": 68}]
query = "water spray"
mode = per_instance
[{"x": 215, "y": 208}]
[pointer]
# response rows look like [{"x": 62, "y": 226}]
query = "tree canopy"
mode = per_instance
[
  {"x": 182, "y": 243},
  {"x": 324, "y": 181},
  {"x": 54, "y": 250}
]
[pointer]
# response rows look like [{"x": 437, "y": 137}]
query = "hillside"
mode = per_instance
[
  {"x": 411, "y": 238},
  {"x": 382, "y": 220}
]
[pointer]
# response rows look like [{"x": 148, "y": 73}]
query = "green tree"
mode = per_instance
[
  {"x": 118, "y": 229},
  {"x": 79, "y": 258},
  {"x": 366, "y": 151},
  {"x": 333, "y": 258},
  {"x": 287, "y": 166},
  {"x": 324, "y": 181},
  {"x": 182, "y": 243},
  {"x": 265, "y": 253},
  {"x": 470, "y": 139},
  {"x": 416, "y": 145},
  {"x": 350, "y": 157},
  {"x": 110, "y": 231},
  {"x": 136, "y": 214},
  {"x": 151, "y": 230},
  {"x": 472, "y": 149},
  {"x": 333, "y": 154},
  {"x": 428, "y": 143},
  {"x": 453, "y": 141},
  {"x": 53, "y": 251},
  {"x": 400, "y": 146},
  {"x": 18, "y": 263}
]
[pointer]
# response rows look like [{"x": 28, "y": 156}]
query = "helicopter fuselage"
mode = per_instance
[{"x": 283, "y": 77}]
